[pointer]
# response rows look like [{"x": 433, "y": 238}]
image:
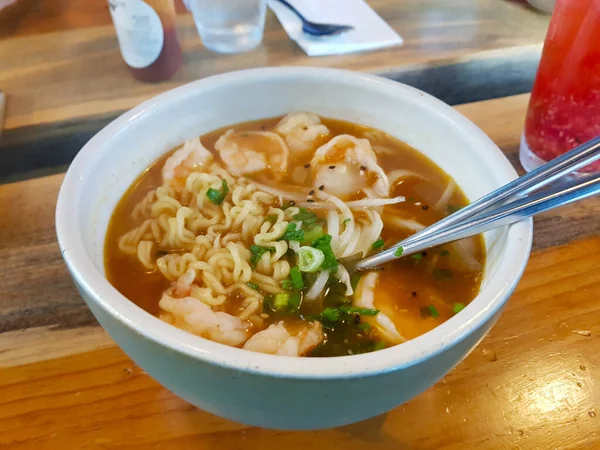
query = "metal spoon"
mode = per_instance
[
  {"x": 490, "y": 211},
  {"x": 317, "y": 29}
]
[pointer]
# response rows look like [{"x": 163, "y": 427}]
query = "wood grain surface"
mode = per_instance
[
  {"x": 77, "y": 72},
  {"x": 533, "y": 383}
]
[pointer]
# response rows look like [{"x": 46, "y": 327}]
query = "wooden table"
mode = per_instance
[{"x": 533, "y": 383}]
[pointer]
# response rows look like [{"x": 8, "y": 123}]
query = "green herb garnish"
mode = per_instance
[
  {"x": 306, "y": 216},
  {"x": 377, "y": 244},
  {"x": 257, "y": 251},
  {"x": 323, "y": 243},
  {"x": 445, "y": 253},
  {"x": 296, "y": 278},
  {"x": 398, "y": 252},
  {"x": 271, "y": 218},
  {"x": 217, "y": 196},
  {"x": 452, "y": 209},
  {"x": 458, "y": 307},
  {"x": 287, "y": 285},
  {"x": 442, "y": 274},
  {"x": 292, "y": 233},
  {"x": 417, "y": 256},
  {"x": 346, "y": 220},
  {"x": 344, "y": 313},
  {"x": 252, "y": 285}
]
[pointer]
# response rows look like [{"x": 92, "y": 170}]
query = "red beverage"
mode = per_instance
[{"x": 564, "y": 109}]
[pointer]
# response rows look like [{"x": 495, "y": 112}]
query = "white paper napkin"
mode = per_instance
[{"x": 370, "y": 31}]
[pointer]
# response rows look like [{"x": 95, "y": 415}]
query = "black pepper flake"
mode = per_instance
[
  {"x": 332, "y": 167},
  {"x": 312, "y": 192},
  {"x": 356, "y": 318},
  {"x": 424, "y": 254},
  {"x": 321, "y": 187},
  {"x": 310, "y": 200},
  {"x": 363, "y": 168},
  {"x": 292, "y": 202},
  {"x": 306, "y": 166},
  {"x": 424, "y": 207},
  {"x": 413, "y": 293},
  {"x": 262, "y": 127}
]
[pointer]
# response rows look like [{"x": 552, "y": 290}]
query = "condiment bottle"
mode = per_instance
[{"x": 147, "y": 37}]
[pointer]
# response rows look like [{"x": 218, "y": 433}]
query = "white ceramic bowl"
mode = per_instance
[{"x": 253, "y": 388}]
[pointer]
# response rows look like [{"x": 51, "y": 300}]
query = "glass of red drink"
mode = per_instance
[{"x": 564, "y": 109}]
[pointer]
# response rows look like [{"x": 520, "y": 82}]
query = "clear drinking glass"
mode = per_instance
[
  {"x": 229, "y": 26},
  {"x": 564, "y": 108}
]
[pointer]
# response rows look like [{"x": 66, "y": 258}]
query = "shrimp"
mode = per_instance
[
  {"x": 301, "y": 131},
  {"x": 190, "y": 156},
  {"x": 277, "y": 340},
  {"x": 364, "y": 297},
  {"x": 343, "y": 165},
  {"x": 252, "y": 151},
  {"x": 194, "y": 316}
]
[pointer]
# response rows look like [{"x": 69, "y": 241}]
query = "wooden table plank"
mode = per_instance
[
  {"x": 531, "y": 384},
  {"x": 75, "y": 74}
]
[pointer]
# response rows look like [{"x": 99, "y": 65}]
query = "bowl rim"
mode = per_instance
[{"x": 487, "y": 303}]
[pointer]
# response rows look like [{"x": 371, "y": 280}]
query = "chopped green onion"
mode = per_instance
[
  {"x": 445, "y": 253},
  {"x": 377, "y": 244},
  {"x": 217, "y": 196},
  {"x": 380, "y": 345},
  {"x": 280, "y": 301},
  {"x": 364, "y": 326},
  {"x": 354, "y": 279},
  {"x": 294, "y": 301},
  {"x": 252, "y": 285},
  {"x": 442, "y": 274},
  {"x": 271, "y": 218},
  {"x": 429, "y": 311},
  {"x": 398, "y": 252},
  {"x": 287, "y": 285},
  {"x": 306, "y": 216},
  {"x": 312, "y": 232},
  {"x": 433, "y": 311},
  {"x": 292, "y": 233},
  {"x": 310, "y": 259},
  {"x": 417, "y": 256},
  {"x": 458, "y": 307},
  {"x": 362, "y": 311},
  {"x": 346, "y": 220},
  {"x": 296, "y": 278},
  {"x": 257, "y": 251},
  {"x": 323, "y": 243},
  {"x": 345, "y": 312}
]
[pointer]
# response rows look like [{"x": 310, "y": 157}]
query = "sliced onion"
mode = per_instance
[
  {"x": 364, "y": 203},
  {"x": 318, "y": 287},
  {"x": 443, "y": 201},
  {"x": 343, "y": 275}
]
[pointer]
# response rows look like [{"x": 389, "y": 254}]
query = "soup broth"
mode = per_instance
[{"x": 176, "y": 248}]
